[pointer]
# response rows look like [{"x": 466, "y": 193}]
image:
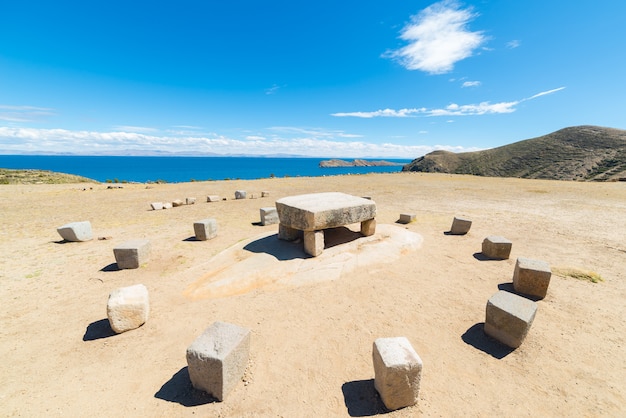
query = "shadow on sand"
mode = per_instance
[
  {"x": 97, "y": 330},
  {"x": 362, "y": 399},
  {"x": 111, "y": 267},
  {"x": 179, "y": 389},
  {"x": 476, "y": 337}
]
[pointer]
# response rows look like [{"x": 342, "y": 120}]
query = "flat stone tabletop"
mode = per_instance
[{"x": 317, "y": 211}]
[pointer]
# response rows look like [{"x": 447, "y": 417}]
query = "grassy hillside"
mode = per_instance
[
  {"x": 8, "y": 176},
  {"x": 576, "y": 153}
]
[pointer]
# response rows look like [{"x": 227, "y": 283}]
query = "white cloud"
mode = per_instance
[
  {"x": 438, "y": 38},
  {"x": 272, "y": 90},
  {"x": 255, "y": 138},
  {"x": 139, "y": 129},
  {"x": 513, "y": 44},
  {"x": 286, "y": 140},
  {"x": 470, "y": 84},
  {"x": 483, "y": 108},
  {"x": 10, "y": 113}
]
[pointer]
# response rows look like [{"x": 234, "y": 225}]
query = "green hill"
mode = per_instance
[{"x": 589, "y": 153}]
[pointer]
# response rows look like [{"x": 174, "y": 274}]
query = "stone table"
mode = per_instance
[{"x": 310, "y": 214}]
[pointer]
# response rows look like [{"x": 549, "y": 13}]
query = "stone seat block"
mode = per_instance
[
  {"x": 156, "y": 205},
  {"x": 190, "y": 200},
  {"x": 205, "y": 229},
  {"x": 316, "y": 211},
  {"x": 460, "y": 226},
  {"x": 406, "y": 218},
  {"x": 167, "y": 205},
  {"x": 76, "y": 231},
  {"x": 496, "y": 247},
  {"x": 218, "y": 358},
  {"x": 240, "y": 194},
  {"x": 177, "y": 202},
  {"x": 397, "y": 372},
  {"x": 128, "y": 308},
  {"x": 509, "y": 317},
  {"x": 265, "y": 194},
  {"x": 269, "y": 216},
  {"x": 131, "y": 254},
  {"x": 532, "y": 277},
  {"x": 212, "y": 198}
]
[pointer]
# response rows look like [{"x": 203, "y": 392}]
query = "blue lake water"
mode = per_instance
[{"x": 183, "y": 169}]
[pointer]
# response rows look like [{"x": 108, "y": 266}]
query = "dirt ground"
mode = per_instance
[{"x": 311, "y": 344}]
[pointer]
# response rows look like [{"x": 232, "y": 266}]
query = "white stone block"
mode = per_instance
[
  {"x": 532, "y": 277},
  {"x": 509, "y": 317},
  {"x": 128, "y": 308},
  {"x": 269, "y": 216},
  {"x": 240, "y": 194},
  {"x": 167, "y": 205},
  {"x": 406, "y": 218},
  {"x": 460, "y": 226},
  {"x": 397, "y": 372},
  {"x": 218, "y": 358},
  {"x": 131, "y": 254},
  {"x": 190, "y": 200},
  {"x": 176, "y": 203},
  {"x": 496, "y": 247},
  {"x": 156, "y": 205},
  {"x": 76, "y": 231},
  {"x": 205, "y": 229},
  {"x": 212, "y": 198}
]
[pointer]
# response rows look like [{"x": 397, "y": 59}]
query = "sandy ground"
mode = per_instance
[{"x": 312, "y": 335}]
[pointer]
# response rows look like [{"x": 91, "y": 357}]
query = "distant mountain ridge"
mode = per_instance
[
  {"x": 356, "y": 163},
  {"x": 589, "y": 153}
]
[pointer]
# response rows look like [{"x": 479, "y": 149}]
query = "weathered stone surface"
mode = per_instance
[
  {"x": 269, "y": 216},
  {"x": 460, "y": 226},
  {"x": 397, "y": 372},
  {"x": 314, "y": 242},
  {"x": 131, "y": 254},
  {"x": 205, "y": 229},
  {"x": 406, "y": 218},
  {"x": 128, "y": 308},
  {"x": 156, "y": 205},
  {"x": 176, "y": 203},
  {"x": 76, "y": 231},
  {"x": 218, "y": 358},
  {"x": 288, "y": 234},
  {"x": 212, "y": 198},
  {"x": 509, "y": 317},
  {"x": 190, "y": 200},
  {"x": 240, "y": 194},
  {"x": 532, "y": 277},
  {"x": 312, "y": 212},
  {"x": 496, "y": 247}
]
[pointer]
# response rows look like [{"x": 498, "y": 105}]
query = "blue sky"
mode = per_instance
[{"x": 326, "y": 78}]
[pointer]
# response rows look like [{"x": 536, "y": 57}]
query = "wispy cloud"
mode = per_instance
[
  {"x": 453, "y": 109},
  {"x": 513, "y": 44},
  {"x": 139, "y": 129},
  {"x": 10, "y": 113},
  {"x": 272, "y": 90},
  {"x": 438, "y": 37},
  {"x": 282, "y": 140},
  {"x": 470, "y": 84}
]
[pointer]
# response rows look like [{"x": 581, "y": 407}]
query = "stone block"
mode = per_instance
[
  {"x": 205, "y": 229},
  {"x": 213, "y": 198},
  {"x": 269, "y": 216},
  {"x": 460, "y": 226},
  {"x": 406, "y": 218},
  {"x": 218, "y": 358},
  {"x": 496, "y": 247},
  {"x": 509, "y": 317},
  {"x": 265, "y": 194},
  {"x": 128, "y": 308},
  {"x": 368, "y": 227},
  {"x": 76, "y": 231},
  {"x": 314, "y": 242},
  {"x": 176, "y": 203},
  {"x": 168, "y": 205},
  {"x": 397, "y": 372},
  {"x": 156, "y": 205},
  {"x": 240, "y": 194},
  {"x": 131, "y": 254},
  {"x": 532, "y": 277},
  {"x": 311, "y": 212},
  {"x": 288, "y": 234},
  {"x": 190, "y": 200}
]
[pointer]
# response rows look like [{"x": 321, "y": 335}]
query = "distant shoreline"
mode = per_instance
[{"x": 334, "y": 163}]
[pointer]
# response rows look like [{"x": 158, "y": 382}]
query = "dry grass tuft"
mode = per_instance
[{"x": 579, "y": 274}]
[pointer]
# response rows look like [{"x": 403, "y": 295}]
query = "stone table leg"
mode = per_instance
[
  {"x": 368, "y": 227},
  {"x": 286, "y": 233},
  {"x": 313, "y": 242}
]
